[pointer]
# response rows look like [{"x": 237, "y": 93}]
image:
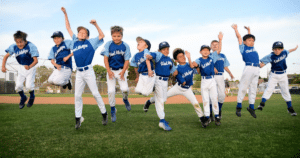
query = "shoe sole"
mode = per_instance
[
  {"x": 253, "y": 115},
  {"x": 161, "y": 126},
  {"x": 28, "y": 105},
  {"x": 24, "y": 103}
]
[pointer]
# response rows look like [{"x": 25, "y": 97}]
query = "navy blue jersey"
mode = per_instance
[
  {"x": 185, "y": 74},
  {"x": 249, "y": 54},
  {"x": 84, "y": 50},
  {"x": 139, "y": 61},
  {"x": 207, "y": 65},
  {"x": 24, "y": 56},
  {"x": 221, "y": 62},
  {"x": 59, "y": 52},
  {"x": 278, "y": 62},
  {"x": 164, "y": 65},
  {"x": 117, "y": 54}
]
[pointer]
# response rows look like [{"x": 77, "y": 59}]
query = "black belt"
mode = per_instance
[
  {"x": 278, "y": 72},
  {"x": 253, "y": 64}
]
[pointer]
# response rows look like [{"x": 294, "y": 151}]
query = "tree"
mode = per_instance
[
  {"x": 131, "y": 73},
  {"x": 197, "y": 77},
  {"x": 42, "y": 74},
  {"x": 100, "y": 72}
]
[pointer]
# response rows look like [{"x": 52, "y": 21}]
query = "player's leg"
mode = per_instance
[
  {"x": 111, "y": 90},
  {"x": 244, "y": 84},
  {"x": 124, "y": 88},
  {"x": 63, "y": 76},
  {"x": 273, "y": 80},
  {"x": 284, "y": 87},
  {"x": 30, "y": 78},
  {"x": 148, "y": 85},
  {"x": 140, "y": 85},
  {"x": 90, "y": 79},
  {"x": 221, "y": 92},
  {"x": 52, "y": 76},
  {"x": 214, "y": 99},
  {"x": 19, "y": 86},
  {"x": 205, "y": 97},
  {"x": 79, "y": 88},
  {"x": 253, "y": 90},
  {"x": 211, "y": 117}
]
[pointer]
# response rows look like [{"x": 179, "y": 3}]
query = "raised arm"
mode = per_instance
[
  {"x": 229, "y": 72},
  {"x": 68, "y": 26},
  {"x": 220, "y": 42},
  {"x": 234, "y": 26},
  {"x": 291, "y": 50},
  {"x": 188, "y": 55},
  {"x": 101, "y": 34},
  {"x": 248, "y": 29},
  {"x": 4, "y": 62}
]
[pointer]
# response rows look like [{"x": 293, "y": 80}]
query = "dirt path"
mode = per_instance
[{"x": 88, "y": 100}]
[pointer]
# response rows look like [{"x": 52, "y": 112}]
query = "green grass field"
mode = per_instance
[
  {"x": 49, "y": 131},
  {"x": 72, "y": 95}
]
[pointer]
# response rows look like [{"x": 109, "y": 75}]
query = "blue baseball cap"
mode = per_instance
[
  {"x": 147, "y": 42},
  {"x": 81, "y": 27},
  {"x": 163, "y": 45},
  {"x": 57, "y": 34},
  {"x": 204, "y": 46},
  {"x": 277, "y": 44}
]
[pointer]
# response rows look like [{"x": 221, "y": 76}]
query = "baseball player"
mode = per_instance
[
  {"x": 145, "y": 76},
  {"x": 116, "y": 59},
  {"x": 26, "y": 54},
  {"x": 251, "y": 71},
  {"x": 221, "y": 65},
  {"x": 278, "y": 75},
  {"x": 83, "y": 51},
  {"x": 184, "y": 76},
  {"x": 63, "y": 69}
]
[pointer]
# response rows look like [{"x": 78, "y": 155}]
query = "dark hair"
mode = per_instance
[
  {"x": 20, "y": 35},
  {"x": 176, "y": 52},
  {"x": 114, "y": 29},
  {"x": 248, "y": 36},
  {"x": 214, "y": 41}
]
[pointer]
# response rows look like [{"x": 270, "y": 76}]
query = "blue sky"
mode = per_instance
[{"x": 184, "y": 24}]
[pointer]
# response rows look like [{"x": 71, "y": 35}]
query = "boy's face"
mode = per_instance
[
  {"x": 165, "y": 51},
  {"x": 249, "y": 42},
  {"x": 117, "y": 37},
  {"x": 277, "y": 51},
  {"x": 181, "y": 58},
  {"x": 214, "y": 46},
  {"x": 57, "y": 40},
  {"x": 205, "y": 52},
  {"x": 82, "y": 34},
  {"x": 20, "y": 43},
  {"x": 141, "y": 45}
]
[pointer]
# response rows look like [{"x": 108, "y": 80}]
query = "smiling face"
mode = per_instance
[
  {"x": 249, "y": 42},
  {"x": 117, "y": 37},
  {"x": 214, "y": 46},
  {"x": 181, "y": 59},
  {"x": 205, "y": 52},
  {"x": 165, "y": 51},
  {"x": 141, "y": 45},
  {"x": 20, "y": 43},
  {"x": 277, "y": 51},
  {"x": 82, "y": 34},
  {"x": 57, "y": 40}
]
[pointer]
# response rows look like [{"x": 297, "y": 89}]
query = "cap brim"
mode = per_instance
[
  {"x": 139, "y": 38},
  {"x": 81, "y": 27}
]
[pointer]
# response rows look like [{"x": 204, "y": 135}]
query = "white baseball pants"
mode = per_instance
[
  {"x": 209, "y": 92},
  {"x": 145, "y": 84},
  {"x": 28, "y": 75},
  {"x": 60, "y": 77}
]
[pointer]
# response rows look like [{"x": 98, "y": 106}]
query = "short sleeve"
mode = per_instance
[
  {"x": 133, "y": 62},
  {"x": 226, "y": 62},
  {"x": 158, "y": 56},
  {"x": 51, "y": 54},
  {"x": 74, "y": 38},
  {"x": 198, "y": 62},
  {"x": 214, "y": 56},
  {"x": 69, "y": 44},
  {"x": 11, "y": 49},
  {"x": 173, "y": 69},
  {"x": 287, "y": 52},
  {"x": 105, "y": 50},
  {"x": 95, "y": 42},
  {"x": 127, "y": 52},
  {"x": 266, "y": 59},
  {"x": 242, "y": 47},
  {"x": 33, "y": 50}
]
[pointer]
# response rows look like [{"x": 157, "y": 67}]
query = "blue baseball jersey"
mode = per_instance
[
  {"x": 164, "y": 65},
  {"x": 139, "y": 61},
  {"x": 84, "y": 50},
  {"x": 249, "y": 54},
  {"x": 117, "y": 54},
  {"x": 24, "y": 56},
  {"x": 278, "y": 62},
  {"x": 185, "y": 74},
  {"x": 207, "y": 65},
  {"x": 221, "y": 62},
  {"x": 59, "y": 52}
]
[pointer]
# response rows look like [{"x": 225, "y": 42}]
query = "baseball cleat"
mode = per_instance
[
  {"x": 204, "y": 121},
  {"x": 146, "y": 106},
  {"x": 164, "y": 125},
  {"x": 252, "y": 112},
  {"x": 127, "y": 104},
  {"x": 105, "y": 119},
  {"x": 81, "y": 119},
  {"x": 218, "y": 121},
  {"x": 64, "y": 87},
  {"x": 212, "y": 117},
  {"x": 22, "y": 102},
  {"x": 30, "y": 102},
  {"x": 238, "y": 112},
  {"x": 220, "y": 114},
  {"x": 292, "y": 111},
  {"x": 69, "y": 85},
  {"x": 78, "y": 123},
  {"x": 113, "y": 116},
  {"x": 261, "y": 106}
]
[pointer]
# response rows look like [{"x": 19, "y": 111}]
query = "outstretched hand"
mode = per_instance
[
  {"x": 93, "y": 22},
  {"x": 63, "y": 10},
  {"x": 247, "y": 28},
  {"x": 220, "y": 36},
  {"x": 195, "y": 64},
  {"x": 187, "y": 54},
  {"x": 234, "y": 26}
]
